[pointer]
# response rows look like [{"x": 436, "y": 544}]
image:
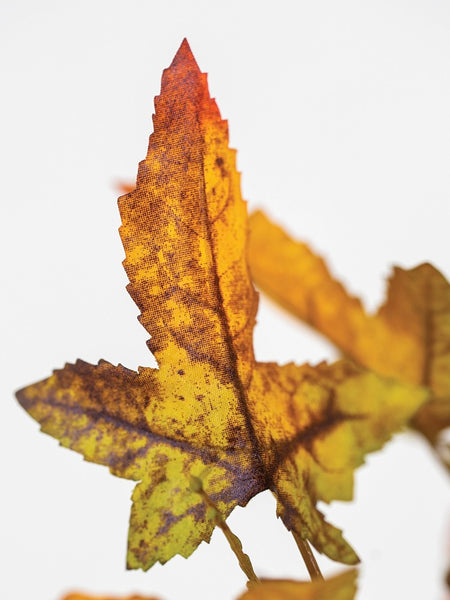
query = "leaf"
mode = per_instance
[
  {"x": 409, "y": 337},
  {"x": 210, "y": 410},
  {"x": 340, "y": 587}
]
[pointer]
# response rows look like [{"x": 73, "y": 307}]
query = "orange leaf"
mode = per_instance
[
  {"x": 210, "y": 410},
  {"x": 408, "y": 339},
  {"x": 340, "y": 587}
]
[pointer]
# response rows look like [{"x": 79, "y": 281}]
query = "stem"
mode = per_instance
[
  {"x": 233, "y": 540},
  {"x": 308, "y": 557}
]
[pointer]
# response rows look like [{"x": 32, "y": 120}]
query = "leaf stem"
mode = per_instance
[
  {"x": 233, "y": 540},
  {"x": 308, "y": 557}
]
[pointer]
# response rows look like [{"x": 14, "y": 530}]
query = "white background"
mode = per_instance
[{"x": 341, "y": 115}]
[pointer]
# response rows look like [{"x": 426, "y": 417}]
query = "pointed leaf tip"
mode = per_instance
[
  {"x": 184, "y": 82},
  {"x": 185, "y": 57}
]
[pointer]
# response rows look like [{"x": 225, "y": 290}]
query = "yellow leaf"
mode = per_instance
[
  {"x": 409, "y": 337},
  {"x": 340, "y": 587},
  {"x": 210, "y": 411}
]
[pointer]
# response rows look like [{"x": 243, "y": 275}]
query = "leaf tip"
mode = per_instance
[
  {"x": 22, "y": 398},
  {"x": 184, "y": 57}
]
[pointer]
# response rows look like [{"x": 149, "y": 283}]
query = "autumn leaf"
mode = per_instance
[
  {"x": 340, "y": 587},
  {"x": 210, "y": 410},
  {"x": 409, "y": 337}
]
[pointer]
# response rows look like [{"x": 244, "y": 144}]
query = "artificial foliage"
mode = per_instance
[
  {"x": 408, "y": 338},
  {"x": 211, "y": 427}
]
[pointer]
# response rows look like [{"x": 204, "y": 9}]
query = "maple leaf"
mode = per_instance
[
  {"x": 340, "y": 587},
  {"x": 409, "y": 337},
  {"x": 210, "y": 410}
]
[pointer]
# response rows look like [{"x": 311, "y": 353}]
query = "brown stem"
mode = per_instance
[
  {"x": 308, "y": 557},
  {"x": 233, "y": 540}
]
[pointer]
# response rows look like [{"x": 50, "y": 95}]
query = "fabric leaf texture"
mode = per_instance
[{"x": 210, "y": 410}]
